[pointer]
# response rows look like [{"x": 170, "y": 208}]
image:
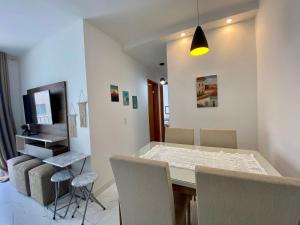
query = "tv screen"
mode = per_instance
[
  {"x": 37, "y": 108},
  {"x": 29, "y": 109}
]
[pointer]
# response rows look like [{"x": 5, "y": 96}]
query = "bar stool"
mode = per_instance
[
  {"x": 81, "y": 182},
  {"x": 57, "y": 178}
]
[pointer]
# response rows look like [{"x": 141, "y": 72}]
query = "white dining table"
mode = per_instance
[{"x": 184, "y": 175}]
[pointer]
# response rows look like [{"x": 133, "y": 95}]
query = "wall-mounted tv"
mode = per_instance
[{"x": 37, "y": 108}]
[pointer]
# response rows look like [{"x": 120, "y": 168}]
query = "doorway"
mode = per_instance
[{"x": 153, "y": 107}]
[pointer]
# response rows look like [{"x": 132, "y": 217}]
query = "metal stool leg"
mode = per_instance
[
  {"x": 75, "y": 210},
  {"x": 72, "y": 196},
  {"x": 57, "y": 184},
  {"x": 96, "y": 200},
  {"x": 87, "y": 202}
]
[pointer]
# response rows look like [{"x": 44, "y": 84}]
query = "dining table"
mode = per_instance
[{"x": 182, "y": 160}]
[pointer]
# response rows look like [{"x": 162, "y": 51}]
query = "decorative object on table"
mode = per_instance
[
  {"x": 82, "y": 110},
  {"x": 125, "y": 97},
  {"x": 207, "y": 91},
  {"x": 26, "y": 131},
  {"x": 199, "y": 44},
  {"x": 72, "y": 123},
  {"x": 114, "y": 93},
  {"x": 134, "y": 102}
]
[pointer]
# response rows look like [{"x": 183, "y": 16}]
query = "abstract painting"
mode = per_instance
[
  {"x": 125, "y": 97},
  {"x": 114, "y": 93},
  {"x": 134, "y": 102},
  {"x": 207, "y": 91}
]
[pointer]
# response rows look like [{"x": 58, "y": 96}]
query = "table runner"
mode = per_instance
[{"x": 188, "y": 159}]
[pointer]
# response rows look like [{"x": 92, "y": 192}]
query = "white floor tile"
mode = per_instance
[{"x": 17, "y": 209}]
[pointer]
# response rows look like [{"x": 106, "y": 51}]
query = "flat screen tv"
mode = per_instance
[{"x": 37, "y": 108}]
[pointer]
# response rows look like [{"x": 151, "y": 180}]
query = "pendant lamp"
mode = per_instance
[{"x": 199, "y": 44}]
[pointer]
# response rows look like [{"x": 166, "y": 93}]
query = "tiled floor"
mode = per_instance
[{"x": 17, "y": 209}]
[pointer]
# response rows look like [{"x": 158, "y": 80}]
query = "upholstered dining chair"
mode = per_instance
[
  {"x": 235, "y": 198},
  {"x": 179, "y": 136},
  {"x": 145, "y": 192},
  {"x": 218, "y": 138}
]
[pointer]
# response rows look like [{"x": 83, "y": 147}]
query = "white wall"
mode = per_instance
[
  {"x": 15, "y": 92},
  {"x": 278, "y": 52},
  {"x": 115, "y": 129},
  {"x": 233, "y": 59},
  {"x": 60, "y": 58}
]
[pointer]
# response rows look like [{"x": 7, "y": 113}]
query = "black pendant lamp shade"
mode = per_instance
[{"x": 199, "y": 43}]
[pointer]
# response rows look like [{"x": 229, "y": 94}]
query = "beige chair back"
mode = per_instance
[
  {"x": 218, "y": 138},
  {"x": 145, "y": 191},
  {"x": 235, "y": 198},
  {"x": 179, "y": 136}
]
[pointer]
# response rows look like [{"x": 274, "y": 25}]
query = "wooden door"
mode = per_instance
[{"x": 153, "y": 107}]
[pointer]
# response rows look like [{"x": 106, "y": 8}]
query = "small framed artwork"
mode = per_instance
[
  {"x": 134, "y": 102},
  {"x": 125, "y": 97},
  {"x": 207, "y": 91},
  {"x": 114, "y": 93}
]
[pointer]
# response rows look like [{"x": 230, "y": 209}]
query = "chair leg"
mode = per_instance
[
  {"x": 72, "y": 196},
  {"x": 57, "y": 184},
  {"x": 96, "y": 200},
  {"x": 87, "y": 202},
  {"x": 75, "y": 210}
]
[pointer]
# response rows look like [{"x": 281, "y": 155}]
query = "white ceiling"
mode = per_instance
[
  {"x": 138, "y": 25},
  {"x": 23, "y": 23}
]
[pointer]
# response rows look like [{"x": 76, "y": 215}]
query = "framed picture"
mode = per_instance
[
  {"x": 134, "y": 102},
  {"x": 125, "y": 97},
  {"x": 114, "y": 93},
  {"x": 207, "y": 91}
]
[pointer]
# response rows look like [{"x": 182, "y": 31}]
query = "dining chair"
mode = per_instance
[
  {"x": 179, "y": 136},
  {"x": 218, "y": 138},
  {"x": 145, "y": 192},
  {"x": 235, "y": 198}
]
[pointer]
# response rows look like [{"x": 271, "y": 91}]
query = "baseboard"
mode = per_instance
[{"x": 104, "y": 187}]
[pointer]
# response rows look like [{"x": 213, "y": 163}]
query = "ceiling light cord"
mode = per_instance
[{"x": 198, "y": 12}]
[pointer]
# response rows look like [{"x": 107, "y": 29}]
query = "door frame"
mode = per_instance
[{"x": 156, "y": 113}]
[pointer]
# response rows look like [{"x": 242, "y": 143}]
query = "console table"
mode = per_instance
[{"x": 41, "y": 146}]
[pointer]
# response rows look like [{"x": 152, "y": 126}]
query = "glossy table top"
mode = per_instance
[
  {"x": 65, "y": 159},
  {"x": 186, "y": 177}
]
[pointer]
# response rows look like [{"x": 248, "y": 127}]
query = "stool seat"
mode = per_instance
[
  {"x": 60, "y": 176},
  {"x": 21, "y": 173},
  {"x": 40, "y": 184},
  {"x": 13, "y": 162},
  {"x": 84, "y": 179},
  {"x": 81, "y": 182}
]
